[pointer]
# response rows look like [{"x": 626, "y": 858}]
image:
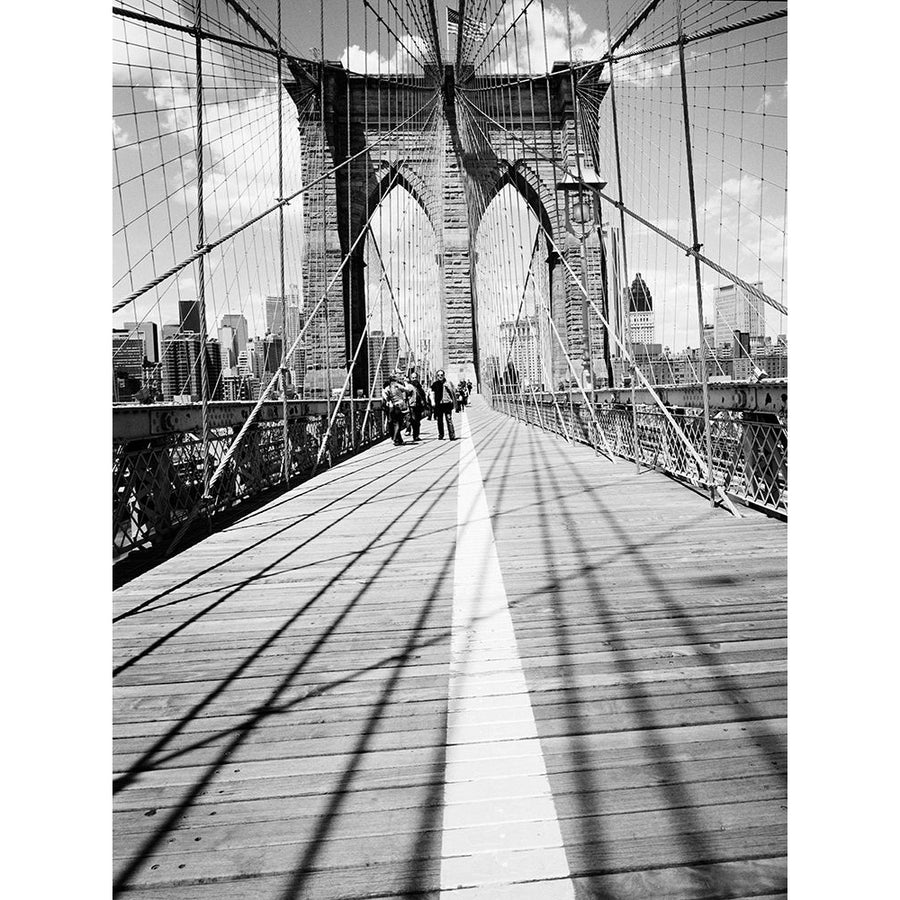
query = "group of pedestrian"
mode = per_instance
[{"x": 406, "y": 403}]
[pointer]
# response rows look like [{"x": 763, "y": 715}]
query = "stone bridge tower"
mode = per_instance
[{"x": 454, "y": 182}]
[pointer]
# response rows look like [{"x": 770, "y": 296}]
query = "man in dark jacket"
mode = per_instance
[
  {"x": 418, "y": 404},
  {"x": 443, "y": 399}
]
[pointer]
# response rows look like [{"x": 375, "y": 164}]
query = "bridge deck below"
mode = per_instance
[{"x": 282, "y": 689}]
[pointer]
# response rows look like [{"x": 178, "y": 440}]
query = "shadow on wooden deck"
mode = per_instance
[{"x": 280, "y": 688}]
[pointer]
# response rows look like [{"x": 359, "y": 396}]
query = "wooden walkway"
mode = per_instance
[{"x": 311, "y": 703}]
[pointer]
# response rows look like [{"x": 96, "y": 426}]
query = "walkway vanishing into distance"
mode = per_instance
[{"x": 357, "y": 691}]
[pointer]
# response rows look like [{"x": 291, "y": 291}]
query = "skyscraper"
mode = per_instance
[
  {"x": 285, "y": 321},
  {"x": 238, "y": 324},
  {"x": 640, "y": 311},
  {"x": 248, "y": 364},
  {"x": 127, "y": 360},
  {"x": 736, "y": 310},
  {"x": 283, "y": 316},
  {"x": 228, "y": 340},
  {"x": 520, "y": 343},
  {"x": 150, "y": 335},
  {"x": 170, "y": 330},
  {"x": 189, "y": 315},
  {"x": 273, "y": 349},
  {"x": 181, "y": 367},
  {"x": 274, "y": 315}
]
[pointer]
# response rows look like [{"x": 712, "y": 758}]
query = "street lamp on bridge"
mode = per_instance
[{"x": 581, "y": 205}]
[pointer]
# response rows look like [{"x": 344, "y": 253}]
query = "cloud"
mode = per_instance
[
  {"x": 410, "y": 53},
  {"x": 765, "y": 101},
  {"x": 747, "y": 215},
  {"x": 120, "y": 135},
  {"x": 529, "y": 39},
  {"x": 644, "y": 70},
  {"x": 517, "y": 42}
]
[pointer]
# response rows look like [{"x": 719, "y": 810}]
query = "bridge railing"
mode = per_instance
[
  {"x": 158, "y": 459},
  {"x": 748, "y": 424}
]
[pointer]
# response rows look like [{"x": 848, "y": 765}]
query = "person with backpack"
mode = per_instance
[
  {"x": 443, "y": 401},
  {"x": 395, "y": 398}
]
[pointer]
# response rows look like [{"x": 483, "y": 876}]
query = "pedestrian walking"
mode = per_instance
[
  {"x": 443, "y": 400},
  {"x": 395, "y": 397},
  {"x": 418, "y": 404}
]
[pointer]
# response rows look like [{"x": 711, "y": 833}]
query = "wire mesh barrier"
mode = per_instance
[
  {"x": 158, "y": 461},
  {"x": 749, "y": 446}
]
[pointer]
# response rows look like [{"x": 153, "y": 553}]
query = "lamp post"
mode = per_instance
[{"x": 581, "y": 203}]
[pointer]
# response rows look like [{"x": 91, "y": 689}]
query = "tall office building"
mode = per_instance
[
  {"x": 128, "y": 362},
  {"x": 238, "y": 325},
  {"x": 640, "y": 311},
  {"x": 282, "y": 316},
  {"x": 150, "y": 335},
  {"x": 128, "y": 351},
  {"x": 297, "y": 361},
  {"x": 227, "y": 361},
  {"x": 170, "y": 330},
  {"x": 274, "y": 314},
  {"x": 181, "y": 368},
  {"x": 189, "y": 315},
  {"x": 228, "y": 341},
  {"x": 285, "y": 321},
  {"x": 273, "y": 349},
  {"x": 520, "y": 342},
  {"x": 736, "y": 310},
  {"x": 248, "y": 364},
  {"x": 294, "y": 323}
]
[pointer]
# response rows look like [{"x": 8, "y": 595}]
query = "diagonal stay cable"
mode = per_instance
[
  {"x": 683, "y": 437},
  {"x": 263, "y": 396}
]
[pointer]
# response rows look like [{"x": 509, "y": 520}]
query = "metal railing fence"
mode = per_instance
[
  {"x": 749, "y": 446},
  {"x": 158, "y": 460}
]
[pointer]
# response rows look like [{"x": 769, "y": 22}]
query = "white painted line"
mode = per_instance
[{"x": 501, "y": 836}]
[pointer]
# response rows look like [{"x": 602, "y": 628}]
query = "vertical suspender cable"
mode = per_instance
[
  {"x": 201, "y": 240},
  {"x": 625, "y": 318},
  {"x": 351, "y": 421},
  {"x": 285, "y": 435},
  {"x": 704, "y": 375},
  {"x": 324, "y": 210},
  {"x": 587, "y": 343}
]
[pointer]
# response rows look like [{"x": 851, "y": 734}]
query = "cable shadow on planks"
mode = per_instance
[
  {"x": 428, "y": 842},
  {"x": 145, "y": 604},
  {"x": 572, "y": 515},
  {"x": 433, "y": 493}
]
